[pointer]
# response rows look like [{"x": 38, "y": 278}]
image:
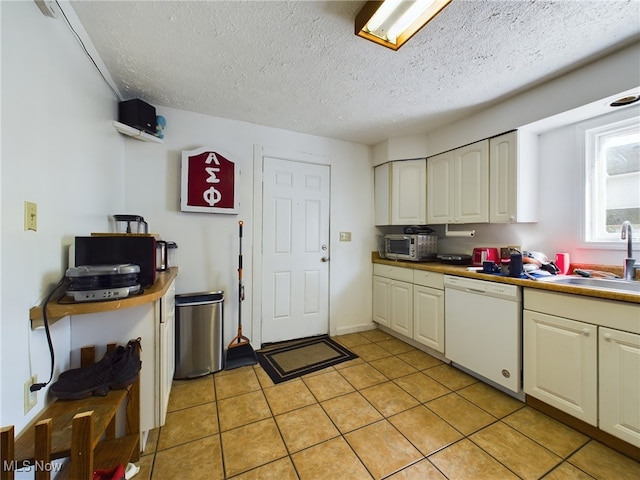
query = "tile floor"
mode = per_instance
[{"x": 394, "y": 413}]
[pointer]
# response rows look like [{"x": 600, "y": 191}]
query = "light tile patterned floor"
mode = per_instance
[{"x": 394, "y": 413}]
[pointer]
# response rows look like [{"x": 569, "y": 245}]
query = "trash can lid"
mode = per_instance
[{"x": 200, "y": 298}]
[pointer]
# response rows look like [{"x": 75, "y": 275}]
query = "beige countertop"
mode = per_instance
[{"x": 461, "y": 271}]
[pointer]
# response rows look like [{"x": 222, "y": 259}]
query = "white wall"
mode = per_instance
[
  {"x": 615, "y": 73},
  {"x": 208, "y": 243},
  {"x": 560, "y": 102},
  {"x": 60, "y": 151}
]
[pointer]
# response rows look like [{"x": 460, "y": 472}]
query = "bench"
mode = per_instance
[{"x": 84, "y": 431}]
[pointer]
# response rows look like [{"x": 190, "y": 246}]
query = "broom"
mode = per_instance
[{"x": 239, "y": 351}]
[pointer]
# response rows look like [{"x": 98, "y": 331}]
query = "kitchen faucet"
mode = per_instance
[{"x": 629, "y": 261}]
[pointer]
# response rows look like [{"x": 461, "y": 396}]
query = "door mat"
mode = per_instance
[{"x": 286, "y": 360}]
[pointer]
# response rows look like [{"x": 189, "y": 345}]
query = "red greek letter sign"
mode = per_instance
[{"x": 208, "y": 182}]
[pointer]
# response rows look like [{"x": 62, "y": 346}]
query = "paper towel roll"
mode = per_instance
[{"x": 459, "y": 233}]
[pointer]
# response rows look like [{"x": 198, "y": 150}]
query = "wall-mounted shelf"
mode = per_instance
[
  {"x": 135, "y": 133},
  {"x": 65, "y": 306}
]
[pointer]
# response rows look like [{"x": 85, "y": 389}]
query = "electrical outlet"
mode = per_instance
[
  {"x": 30, "y": 216},
  {"x": 30, "y": 398},
  {"x": 345, "y": 236}
]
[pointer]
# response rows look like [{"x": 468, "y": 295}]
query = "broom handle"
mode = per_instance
[{"x": 240, "y": 286}]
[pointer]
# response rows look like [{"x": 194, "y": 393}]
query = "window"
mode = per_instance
[{"x": 612, "y": 153}]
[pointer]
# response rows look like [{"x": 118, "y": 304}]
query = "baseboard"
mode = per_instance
[
  {"x": 583, "y": 427},
  {"x": 363, "y": 327}
]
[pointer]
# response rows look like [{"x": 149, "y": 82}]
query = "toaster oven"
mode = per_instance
[{"x": 411, "y": 247}]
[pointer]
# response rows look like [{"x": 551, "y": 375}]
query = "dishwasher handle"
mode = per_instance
[{"x": 475, "y": 290}]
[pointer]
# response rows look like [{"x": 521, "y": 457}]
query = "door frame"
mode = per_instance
[{"x": 259, "y": 153}]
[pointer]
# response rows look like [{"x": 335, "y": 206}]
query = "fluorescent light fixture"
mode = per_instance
[{"x": 392, "y": 22}]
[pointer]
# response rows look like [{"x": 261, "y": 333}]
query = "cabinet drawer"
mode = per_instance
[
  {"x": 428, "y": 279},
  {"x": 605, "y": 313},
  {"x": 395, "y": 273}
]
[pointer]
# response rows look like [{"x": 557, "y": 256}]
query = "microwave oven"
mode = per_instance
[
  {"x": 118, "y": 249},
  {"x": 414, "y": 248}
]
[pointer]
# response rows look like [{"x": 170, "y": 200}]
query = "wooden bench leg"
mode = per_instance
[
  {"x": 81, "y": 449},
  {"x": 7, "y": 453},
  {"x": 42, "y": 449}
]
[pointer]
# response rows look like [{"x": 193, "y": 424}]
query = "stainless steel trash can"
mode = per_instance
[{"x": 198, "y": 334}]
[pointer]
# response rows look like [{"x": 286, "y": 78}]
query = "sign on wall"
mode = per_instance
[{"x": 208, "y": 182}]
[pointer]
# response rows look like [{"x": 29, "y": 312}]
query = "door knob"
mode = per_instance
[{"x": 324, "y": 259}]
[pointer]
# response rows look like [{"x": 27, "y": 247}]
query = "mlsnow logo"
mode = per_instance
[{"x": 28, "y": 466}]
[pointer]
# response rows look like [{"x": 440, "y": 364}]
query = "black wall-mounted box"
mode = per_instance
[{"x": 138, "y": 114}]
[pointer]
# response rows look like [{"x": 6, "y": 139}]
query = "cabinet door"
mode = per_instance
[
  {"x": 409, "y": 192},
  {"x": 503, "y": 178},
  {"x": 381, "y": 193},
  {"x": 166, "y": 350},
  {"x": 471, "y": 180},
  {"x": 381, "y": 301},
  {"x": 560, "y": 364},
  {"x": 620, "y": 384},
  {"x": 440, "y": 188},
  {"x": 402, "y": 308},
  {"x": 428, "y": 317}
]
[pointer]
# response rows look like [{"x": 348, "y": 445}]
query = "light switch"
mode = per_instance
[
  {"x": 30, "y": 216},
  {"x": 345, "y": 236}
]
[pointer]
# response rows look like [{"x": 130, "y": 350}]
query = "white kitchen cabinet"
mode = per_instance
[
  {"x": 154, "y": 323},
  {"x": 166, "y": 352},
  {"x": 428, "y": 309},
  {"x": 560, "y": 364},
  {"x": 513, "y": 178},
  {"x": 382, "y": 300},
  {"x": 400, "y": 191},
  {"x": 593, "y": 376},
  {"x": 393, "y": 298},
  {"x": 619, "y": 384},
  {"x": 402, "y": 308},
  {"x": 458, "y": 185}
]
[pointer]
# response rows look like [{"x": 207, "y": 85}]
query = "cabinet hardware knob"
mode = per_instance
[
  {"x": 586, "y": 331},
  {"x": 607, "y": 337}
]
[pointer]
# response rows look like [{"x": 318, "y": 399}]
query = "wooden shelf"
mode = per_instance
[
  {"x": 62, "y": 413},
  {"x": 65, "y": 306},
  {"x": 135, "y": 133},
  {"x": 84, "y": 431},
  {"x": 108, "y": 454}
]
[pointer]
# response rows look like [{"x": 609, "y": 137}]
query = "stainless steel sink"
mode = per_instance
[{"x": 615, "y": 285}]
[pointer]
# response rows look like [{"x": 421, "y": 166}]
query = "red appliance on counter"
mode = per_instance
[{"x": 481, "y": 254}]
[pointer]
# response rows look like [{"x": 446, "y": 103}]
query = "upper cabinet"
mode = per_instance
[
  {"x": 513, "y": 176},
  {"x": 458, "y": 185},
  {"x": 401, "y": 192}
]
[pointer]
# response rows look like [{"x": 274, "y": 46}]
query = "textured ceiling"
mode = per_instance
[{"x": 298, "y": 65}]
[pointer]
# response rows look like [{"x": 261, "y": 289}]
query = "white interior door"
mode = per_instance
[{"x": 295, "y": 250}]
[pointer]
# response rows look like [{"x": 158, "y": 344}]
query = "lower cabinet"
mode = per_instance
[
  {"x": 619, "y": 390},
  {"x": 166, "y": 351},
  {"x": 401, "y": 319},
  {"x": 575, "y": 362},
  {"x": 154, "y": 324},
  {"x": 382, "y": 300},
  {"x": 560, "y": 364},
  {"x": 393, "y": 298},
  {"x": 428, "y": 309},
  {"x": 410, "y": 302}
]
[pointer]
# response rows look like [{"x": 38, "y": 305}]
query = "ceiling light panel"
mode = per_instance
[{"x": 392, "y": 22}]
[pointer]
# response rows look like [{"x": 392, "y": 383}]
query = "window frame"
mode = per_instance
[{"x": 586, "y": 132}]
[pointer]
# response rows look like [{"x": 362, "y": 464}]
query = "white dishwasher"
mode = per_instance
[{"x": 483, "y": 329}]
